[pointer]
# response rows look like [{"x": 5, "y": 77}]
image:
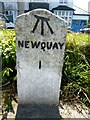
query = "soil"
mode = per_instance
[{"x": 66, "y": 110}]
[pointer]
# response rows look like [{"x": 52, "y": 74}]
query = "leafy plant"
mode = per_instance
[
  {"x": 8, "y": 54},
  {"x": 76, "y": 69},
  {"x": 7, "y": 40}
]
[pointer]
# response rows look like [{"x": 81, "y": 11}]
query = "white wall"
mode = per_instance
[
  {"x": 26, "y": 5},
  {"x": 1, "y": 7},
  {"x": 70, "y": 3},
  {"x": 79, "y": 17},
  {"x": 39, "y": 0},
  {"x": 10, "y": 5},
  {"x": 89, "y": 7},
  {"x": 55, "y": 3}
]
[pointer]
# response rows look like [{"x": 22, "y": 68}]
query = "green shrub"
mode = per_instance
[
  {"x": 76, "y": 69},
  {"x": 7, "y": 40}
]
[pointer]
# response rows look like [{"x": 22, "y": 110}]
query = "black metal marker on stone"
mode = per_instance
[{"x": 43, "y": 19}]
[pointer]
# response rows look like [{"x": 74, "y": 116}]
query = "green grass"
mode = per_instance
[
  {"x": 8, "y": 46},
  {"x": 76, "y": 70}
]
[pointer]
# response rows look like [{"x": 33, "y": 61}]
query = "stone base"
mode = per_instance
[{"x": 37, "y": 111}]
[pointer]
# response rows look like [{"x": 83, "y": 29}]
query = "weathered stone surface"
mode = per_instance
[{"x": 40, "y": 38}]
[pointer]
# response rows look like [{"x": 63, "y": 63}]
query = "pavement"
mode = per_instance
[{"x": 60, "y": 112}]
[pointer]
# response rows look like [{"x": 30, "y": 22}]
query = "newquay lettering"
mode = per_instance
[{"x": 43, "y": 45}]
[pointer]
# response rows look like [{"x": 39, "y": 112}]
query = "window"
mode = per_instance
[
  {"x": 69, "y": 23},
  {"x": 75, "y": 22},
  {"x": 8, "y": 12},
  {"x": 66, "y": 18},
  {"x": 63, "y": 13},
  {"x": 88, "y": 25},
  {"x": 63, "y": 1},
  {"x": 70, "y": 13},
  {"x": 83, "y": 22},
  {"x": 66, "y": 13},
  {"x": 59, "y": 12},
  {"x": 70, "y": 18},
  {"x": 55, "y": 12}
]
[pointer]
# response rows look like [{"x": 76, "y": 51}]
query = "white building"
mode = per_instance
[
  {"x": 16, "y": 7},
  {"x": 89, "y": 7},
  {"x": 32, "y": 4},
  {"x": 55, "y": 3},
  {"x": 10, "y": 9},
  {"x": 80, "y": 19},
  {"x": 1, "y": 7},
  {"x": 64, "y": 9}
]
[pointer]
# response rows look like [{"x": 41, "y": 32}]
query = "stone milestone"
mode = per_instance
[{"x": 40, "y": 38}]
